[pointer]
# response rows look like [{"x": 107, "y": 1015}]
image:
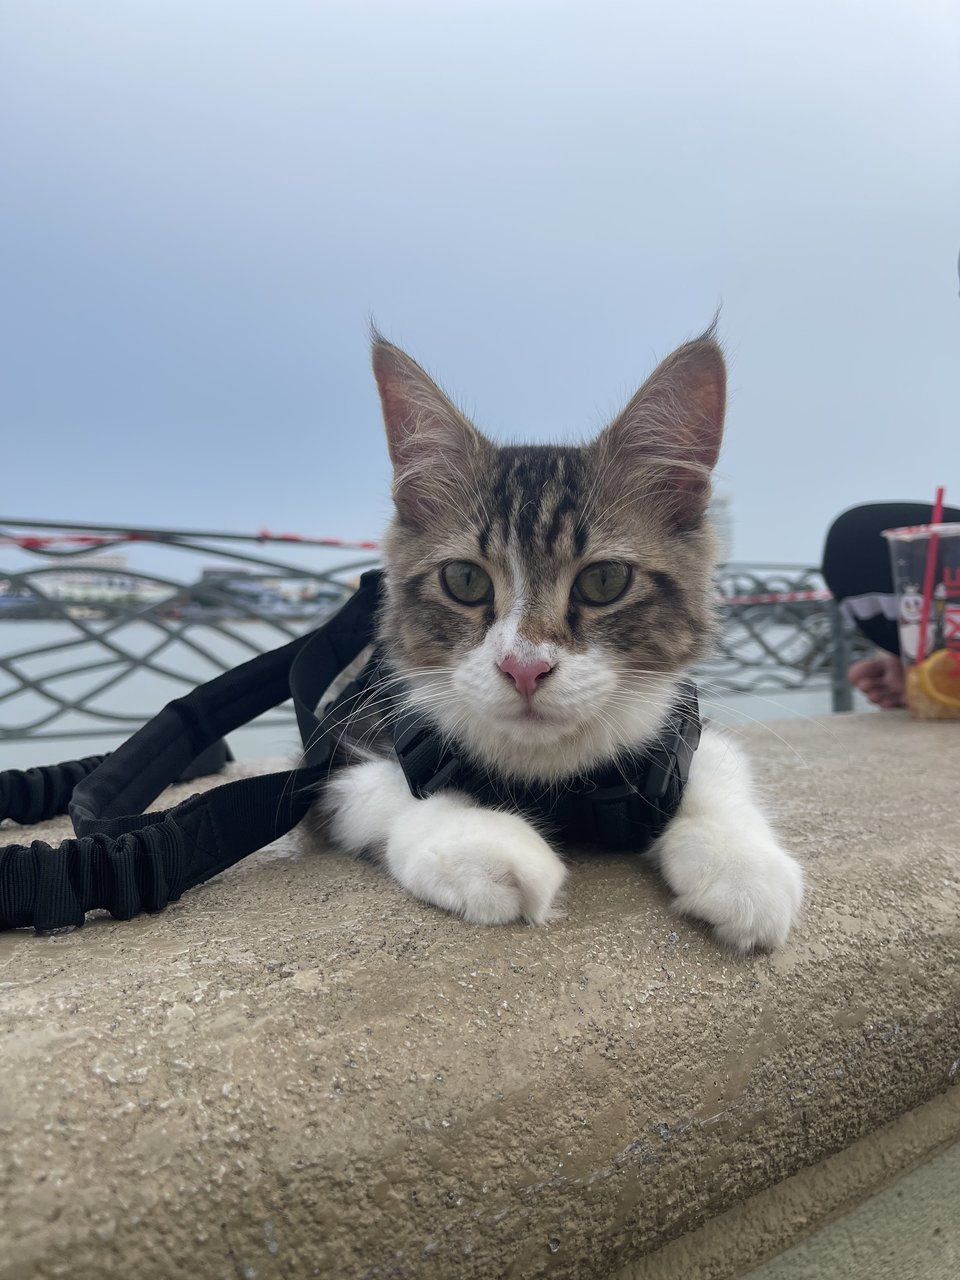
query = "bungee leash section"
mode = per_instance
[{"x": 127, "y": 861}]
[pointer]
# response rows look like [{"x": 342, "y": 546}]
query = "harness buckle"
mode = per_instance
[{"x": 421, "y": 756}]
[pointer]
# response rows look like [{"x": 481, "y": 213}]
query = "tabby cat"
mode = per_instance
[{"x": 542, "y": 604}]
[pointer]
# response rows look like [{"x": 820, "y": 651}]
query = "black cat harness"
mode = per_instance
[{"x": 127, "y": 861}]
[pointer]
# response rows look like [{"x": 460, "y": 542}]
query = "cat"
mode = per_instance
[{"x": 541, "y": 605}]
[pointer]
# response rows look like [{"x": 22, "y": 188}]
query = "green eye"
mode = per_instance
[
  {"x": 467, "y": 583},
  {"x": 602, "y": 583}
]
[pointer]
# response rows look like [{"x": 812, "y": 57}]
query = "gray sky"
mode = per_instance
[{"x": 205, "y": 202}]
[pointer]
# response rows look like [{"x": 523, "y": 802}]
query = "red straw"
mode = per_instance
[{"x": 936, "y": 518}]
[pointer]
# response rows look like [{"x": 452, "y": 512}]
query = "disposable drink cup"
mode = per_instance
[{"x": 933, "y": 676}]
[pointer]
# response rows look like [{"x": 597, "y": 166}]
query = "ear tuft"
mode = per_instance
[
  {"x": 431, "y": 443},
  {"x": 666, "y": 442}
]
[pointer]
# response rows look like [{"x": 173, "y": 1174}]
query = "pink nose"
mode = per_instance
[{"x": 525, "y": 675}]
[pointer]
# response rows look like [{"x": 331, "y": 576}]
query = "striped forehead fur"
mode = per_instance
[{"x": 546, "y": 509}]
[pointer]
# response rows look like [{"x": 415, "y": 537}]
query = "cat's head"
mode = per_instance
[{"x": 543, "y": 600}]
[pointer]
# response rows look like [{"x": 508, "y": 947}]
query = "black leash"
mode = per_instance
[{"x": 128, "y": 861}]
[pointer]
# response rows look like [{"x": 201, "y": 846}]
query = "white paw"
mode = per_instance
[
  {"x": 488, "y": 867},
  {"x": 740, "y": 882}
]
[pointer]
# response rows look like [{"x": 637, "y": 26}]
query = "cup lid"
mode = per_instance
[{"x": 913, "y": 532}]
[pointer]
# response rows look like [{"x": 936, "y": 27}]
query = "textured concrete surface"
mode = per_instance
[
  {"x": 815, "y": 1205},
  {"x": 909, "y": 1229},
  {"x": 299, "y": 1071}
]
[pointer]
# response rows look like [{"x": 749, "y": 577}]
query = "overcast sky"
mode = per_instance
[{"x": 205, "y": 202}]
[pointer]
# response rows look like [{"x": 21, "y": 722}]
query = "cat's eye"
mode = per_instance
[
  {"x": 602, "y": 583},
  {"x": 467, "y": 583}
]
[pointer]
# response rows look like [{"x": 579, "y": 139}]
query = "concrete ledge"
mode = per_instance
[
  {"x": 910, "y": 1228},
  {"x": 838, "y": 1191},
  {"x": 300, "y": 1071}
]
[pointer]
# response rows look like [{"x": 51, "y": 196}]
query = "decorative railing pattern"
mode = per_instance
[
  {"x": 93, "y": 647},
  {"x": 780, "y": 630}
]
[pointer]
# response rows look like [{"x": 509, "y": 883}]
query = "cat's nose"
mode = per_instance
[{"x": 525, "y": 675}]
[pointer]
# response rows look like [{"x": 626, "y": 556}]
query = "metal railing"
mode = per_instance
[
  {"x": 780, "y": 630},
  {"x": 94, "y": 646}
]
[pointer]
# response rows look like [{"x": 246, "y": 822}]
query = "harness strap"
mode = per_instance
[
  {"x": 128, "y": 861},
  {"x": 624, "y": 805}
]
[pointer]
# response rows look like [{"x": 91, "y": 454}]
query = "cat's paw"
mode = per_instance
[
  {"x": 489, "y": 867},
  {"x": 740, "y": 882}
]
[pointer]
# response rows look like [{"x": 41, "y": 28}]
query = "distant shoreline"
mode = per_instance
[{"x": 34, "y": 611}]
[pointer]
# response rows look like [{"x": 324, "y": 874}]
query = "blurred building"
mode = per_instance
[{"x": 99, "y": 579}]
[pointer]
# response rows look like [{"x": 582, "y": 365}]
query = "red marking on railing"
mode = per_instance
[
  {"x": 32, "y": 542},
  {"x": 35, "y": 542},
  {"x": 777, "y": 597}
]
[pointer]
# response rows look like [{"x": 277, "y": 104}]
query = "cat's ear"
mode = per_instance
[
  {"x": 432, "y": 445},
  {"x": 666, "y": 442}
]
